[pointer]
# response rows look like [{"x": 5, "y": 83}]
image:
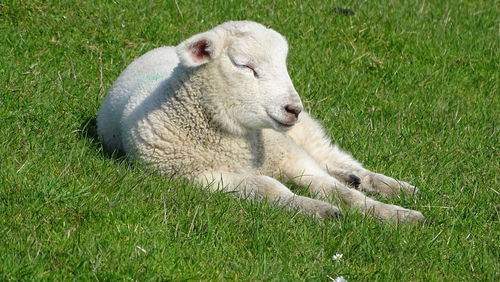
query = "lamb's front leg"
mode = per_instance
[
  {"x": 304, "y": 171},
  {"x": 310, "y": 136},
  {"x": 250, "y": 186}
]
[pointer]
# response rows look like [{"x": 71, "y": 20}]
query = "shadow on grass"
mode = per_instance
[{"x": 88, "y": 131}]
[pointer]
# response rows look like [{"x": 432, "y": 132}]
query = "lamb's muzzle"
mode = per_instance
[{"x": 294, "y": 110}]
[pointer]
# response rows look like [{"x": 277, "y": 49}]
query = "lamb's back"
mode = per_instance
[{"x": 133, "y": 84}]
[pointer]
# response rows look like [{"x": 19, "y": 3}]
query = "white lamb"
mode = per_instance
[{"x": 221, "y": 110}]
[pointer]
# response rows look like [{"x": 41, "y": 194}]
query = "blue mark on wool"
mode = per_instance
[
  {"x": 153, "y": 77},
  {"x": 145, "y": 81}
]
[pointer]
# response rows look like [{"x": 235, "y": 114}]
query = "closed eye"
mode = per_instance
[
  {"x": 253, "y": 69},
  {"x": 255, "y": 74}
]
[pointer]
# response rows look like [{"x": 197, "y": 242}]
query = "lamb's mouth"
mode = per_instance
[{"x": 286, "y": 125}]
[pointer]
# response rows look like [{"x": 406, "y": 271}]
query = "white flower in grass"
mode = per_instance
[
  {"x": 338, "y": 279},
  {"x": 141, "y": 249},
  {"x": 337, "y": 257}
]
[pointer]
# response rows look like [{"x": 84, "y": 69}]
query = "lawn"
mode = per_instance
[{"x": 410, "y": 88}]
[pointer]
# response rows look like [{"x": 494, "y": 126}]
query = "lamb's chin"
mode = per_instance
[
  {"x": 281, "y": 127},
  {"x": 278, "y": 125}
]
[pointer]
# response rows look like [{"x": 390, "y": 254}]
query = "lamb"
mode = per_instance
[{"x": 220, "y": 109}]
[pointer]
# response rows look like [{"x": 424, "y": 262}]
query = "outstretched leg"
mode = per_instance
[
  {"x": 309, "y": 135},
  {"x": 261, "y": 186},
  {"x": 303, "y": 170}
]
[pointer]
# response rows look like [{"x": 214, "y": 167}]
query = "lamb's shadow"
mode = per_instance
[{"x": 88, "y": 131}]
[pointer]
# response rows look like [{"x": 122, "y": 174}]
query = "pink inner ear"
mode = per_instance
[{"x": 199, "y": 51}]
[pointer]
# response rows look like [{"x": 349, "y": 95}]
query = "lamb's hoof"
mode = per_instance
[
  {"x": 413, "y": 191},
  {"x": 387, "y": 186},
  {"x": 318, "y": 209},
  {"x": 395, "y": 214},
  {"x": 354, "y": 180},
  {"x": 408, "y": 216},
  {"x": 328, "y": 212},
  {"x": 324, "y": 210}
]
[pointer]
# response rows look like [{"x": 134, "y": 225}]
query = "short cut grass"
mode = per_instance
[{"x": 410, "y": 88}]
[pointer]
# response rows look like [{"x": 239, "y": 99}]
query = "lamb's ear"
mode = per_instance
[{"x": 199, "y": 49}]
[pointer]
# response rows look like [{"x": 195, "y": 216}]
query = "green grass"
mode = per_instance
[{"x": 411, "y": 88}]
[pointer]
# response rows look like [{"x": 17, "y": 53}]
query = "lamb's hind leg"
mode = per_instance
[
  {"x": 309, "y": 135},
  {"x": 261, "y": 186},
  {"x": 301, "y": 169}
]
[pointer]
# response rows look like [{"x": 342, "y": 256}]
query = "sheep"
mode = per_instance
[{"x": 220, "y": 109}]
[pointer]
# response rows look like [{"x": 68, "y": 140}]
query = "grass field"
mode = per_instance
[{"x": 410, "y": 88}]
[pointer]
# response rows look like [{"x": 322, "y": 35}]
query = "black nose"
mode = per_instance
[{"x": 295, "y": 110}]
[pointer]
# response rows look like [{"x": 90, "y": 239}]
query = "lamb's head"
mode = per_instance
[{"x": 243, "y": 65}]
